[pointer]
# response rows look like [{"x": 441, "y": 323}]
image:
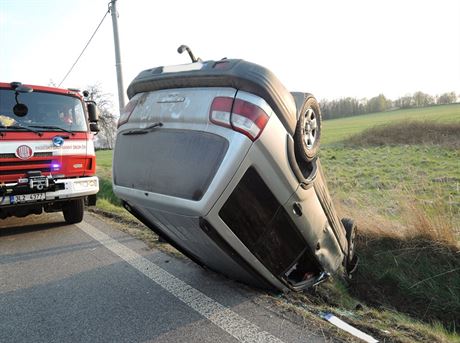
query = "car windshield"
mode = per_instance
[{"x": 46, "y": 111}]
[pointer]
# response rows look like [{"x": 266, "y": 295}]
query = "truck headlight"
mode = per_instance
[{"x": 84, "y": 184}]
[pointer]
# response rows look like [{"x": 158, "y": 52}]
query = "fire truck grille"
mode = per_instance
[
  {"x": 37, "y": 154},
  {"x": 23, "y": 171},
  {"x": 22, "y": 167},
  {"x": 24, "y": 163}
]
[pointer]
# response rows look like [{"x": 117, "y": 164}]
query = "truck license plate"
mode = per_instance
[{"x": 27, "y": 197}]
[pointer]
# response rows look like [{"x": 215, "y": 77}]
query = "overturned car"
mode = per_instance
[{"x": 220, "y": 160}]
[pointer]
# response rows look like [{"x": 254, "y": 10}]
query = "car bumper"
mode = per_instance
[{"x": 65, "y": 189}]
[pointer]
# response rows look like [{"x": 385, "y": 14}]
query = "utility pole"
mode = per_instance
[{"x": 121, "y": 96}]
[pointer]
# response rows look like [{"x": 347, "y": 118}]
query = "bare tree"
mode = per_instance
[
  {"x": 422, "y": 99},
  {"x": 447, "y": 98},
  {"x": 107, "y": 120}
]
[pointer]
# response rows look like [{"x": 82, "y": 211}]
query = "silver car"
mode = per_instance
[{"x": 220, "y": 160}]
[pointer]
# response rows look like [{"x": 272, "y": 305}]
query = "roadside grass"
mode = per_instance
[
  {"x": 410, "y": 265},
  {"x": 406, "y": 201},
  {"x": 104, "y": 163},
  {"x": 106, "y": 199},
  {"x": 383, "y": 324}
]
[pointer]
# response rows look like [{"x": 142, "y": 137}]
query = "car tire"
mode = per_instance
[
  {"x": 350, "y": 230},
  {"x": 308, "y": 130},
  {"x": 73, "y": 211}
]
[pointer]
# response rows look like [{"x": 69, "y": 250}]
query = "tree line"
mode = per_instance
[
  {"x": 346, "y": 107},
  {"x": 330, "y": 109}
]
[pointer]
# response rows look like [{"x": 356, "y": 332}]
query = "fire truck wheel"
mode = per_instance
[{"x": 73, "y": 211}]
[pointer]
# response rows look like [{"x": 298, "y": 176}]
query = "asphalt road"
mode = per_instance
[{"x": 92, "y": 283}]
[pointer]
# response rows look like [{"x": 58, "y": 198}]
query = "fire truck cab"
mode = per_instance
[{"x": 47, "y": 156}]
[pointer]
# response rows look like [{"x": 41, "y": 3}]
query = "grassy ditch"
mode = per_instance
[
  {"x": 406, "y": 200},
  {"x": 383, "y": 324}
]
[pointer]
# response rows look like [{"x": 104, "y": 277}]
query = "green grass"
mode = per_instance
[
  {"x": 376, "y": 177},
  {"x": 416, "y": 276},
  {"x": 104, "y": 163},
  {"x": 106, "y": 199},
  {"x": 406, "y": 200},
  {"x": 384, "y": 324},
  {"x": 337, "y": 130}
]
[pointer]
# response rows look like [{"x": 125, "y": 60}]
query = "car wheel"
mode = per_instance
[
  {"x": 73, "y": 211},
  {"x": 308, "y": 130},
  {"x": 350, "y": 229}
]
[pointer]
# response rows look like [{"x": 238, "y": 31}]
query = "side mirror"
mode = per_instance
[
  {"x": 93, "y": 112},
  {"x": 94, "y": 127}
]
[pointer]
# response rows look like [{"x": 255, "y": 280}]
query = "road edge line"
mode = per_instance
[{"x": 223, "y": 317}]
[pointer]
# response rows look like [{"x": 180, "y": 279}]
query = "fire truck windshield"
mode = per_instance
[{"x": 46, "y": 111}]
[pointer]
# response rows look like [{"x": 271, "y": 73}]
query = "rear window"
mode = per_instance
[
  {"x": 44, "y": 109},
  {"x": 177, "y": 163}
]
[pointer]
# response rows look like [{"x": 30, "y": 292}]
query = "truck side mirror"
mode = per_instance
[
  {"x": 94, "y": 127},
  {"x": 93, "y": 112}
]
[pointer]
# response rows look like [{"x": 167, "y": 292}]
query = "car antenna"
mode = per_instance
[{"x": 182, "y": 48}]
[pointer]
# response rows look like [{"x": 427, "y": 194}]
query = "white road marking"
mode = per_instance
[
  {"x": 348, "y": 328},
  {"x": 242, "y": 329}
]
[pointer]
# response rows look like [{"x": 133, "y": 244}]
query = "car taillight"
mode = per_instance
[
  {"x": 221, "y": 109},
  {"x": 240, "y": 115},
  {"x": 126, "y": 113}
]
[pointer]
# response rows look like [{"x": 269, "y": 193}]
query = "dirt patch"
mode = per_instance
[{"x": 409, "y": 133}]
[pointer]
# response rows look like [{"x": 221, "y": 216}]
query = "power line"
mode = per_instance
[{"x": 89, "y": 41}]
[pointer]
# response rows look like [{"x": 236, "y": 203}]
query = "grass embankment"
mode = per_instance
[
  {"x": 337, "y": 130},
  {"x": 405, "y": 198},
  {"x": 425, "y": 133},
  {"x": 107, "y": 201}
]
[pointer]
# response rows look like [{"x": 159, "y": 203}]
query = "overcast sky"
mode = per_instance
[{"x": 331, "y": 48}]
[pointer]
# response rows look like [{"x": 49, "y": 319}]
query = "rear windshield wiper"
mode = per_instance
[
  {"x": 52, "y": 127},
  {"x": 20, "y": 127},
  {"x": 144, "y": 130}
]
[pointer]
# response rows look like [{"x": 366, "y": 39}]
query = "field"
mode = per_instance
[
  {"x": 386, "y": 177},
  {"x": 337, "y": 130},
  {"x": 406, "y": 201},
  {"x": 388, "y": 181}
]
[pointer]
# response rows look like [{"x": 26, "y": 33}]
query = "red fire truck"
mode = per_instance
[{"x": 47, "y": 157}]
